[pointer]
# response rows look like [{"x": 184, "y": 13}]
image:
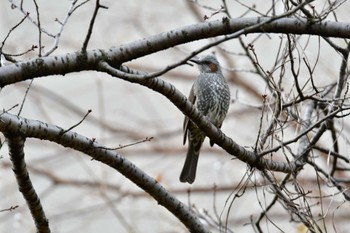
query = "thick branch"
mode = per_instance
[
  {"x": 11, "y": 124},
  {"x": 115, "y": 56},
  {"x": 16, "y": 145}
]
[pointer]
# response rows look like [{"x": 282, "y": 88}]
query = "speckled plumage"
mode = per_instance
[{"x": 211, "y": 95}]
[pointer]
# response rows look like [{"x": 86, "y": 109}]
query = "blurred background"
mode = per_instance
[{"x": 81, "y": 195}]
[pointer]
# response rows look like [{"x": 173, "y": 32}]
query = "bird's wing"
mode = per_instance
[{"x": 187, "y": 122}]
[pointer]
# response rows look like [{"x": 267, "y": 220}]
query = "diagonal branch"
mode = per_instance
[
  {"x": 182, "y": 103},
  {"x": 12, "y": 125}
]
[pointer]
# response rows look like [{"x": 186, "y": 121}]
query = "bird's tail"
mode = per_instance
[{"x": 188, "y": 173}]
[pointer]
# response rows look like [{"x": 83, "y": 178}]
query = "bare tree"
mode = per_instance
[{"x": 292, "y": 107}]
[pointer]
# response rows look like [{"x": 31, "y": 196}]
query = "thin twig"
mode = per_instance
[
  {"x": 72, "y": 127},
  {"x": 88, "y": 35},
  {"x": 11, "y": 30},
  {"x": 295, "y": 74},
  {"x": 147, "y": 139},
  {"x": 316, "y": 124},
  {"x": 10, "y": 208},
  {"x": 272, "y": 203},
  {"x": 25, "y": 97},
  {"x": 42, "y": 30},
  {"x": 39, "y": 26}
]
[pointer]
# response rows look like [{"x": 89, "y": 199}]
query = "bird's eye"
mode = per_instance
[{"x": 213, "y": 67}]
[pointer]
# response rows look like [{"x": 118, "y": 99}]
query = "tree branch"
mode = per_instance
[
  {"x": 92, "y": 21},
  {"x": 12, "y": 124},
  {"x": 182, "y": 103},
  {"x": 115, "y": 56},
  {"x": 16, "y": 145},
  {"x": 335, "y": 105}
]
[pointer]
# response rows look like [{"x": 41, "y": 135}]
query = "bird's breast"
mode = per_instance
[{"x": 213, "y": 99}]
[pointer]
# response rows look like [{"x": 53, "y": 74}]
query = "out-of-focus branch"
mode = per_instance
[
  {"x": 334, "y": 181},
  {"x": 292, "y": 207},
  {"x": 335, "y": 105},
  {"x": 300, "y": 135},
  {"x": 305, "y": 125}
]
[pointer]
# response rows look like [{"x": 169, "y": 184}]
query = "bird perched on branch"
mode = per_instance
[{"x": 210, "y": 94}]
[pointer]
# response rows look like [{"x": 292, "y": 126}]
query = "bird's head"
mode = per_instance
[{"x": 208, "y": 64}]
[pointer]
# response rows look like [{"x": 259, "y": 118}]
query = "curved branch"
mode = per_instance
[
  {"x": 12, "y": 124},
  {"x": 79, "y": 61}
]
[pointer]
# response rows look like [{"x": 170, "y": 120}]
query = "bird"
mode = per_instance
[{"x": 210, "y": 94}]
